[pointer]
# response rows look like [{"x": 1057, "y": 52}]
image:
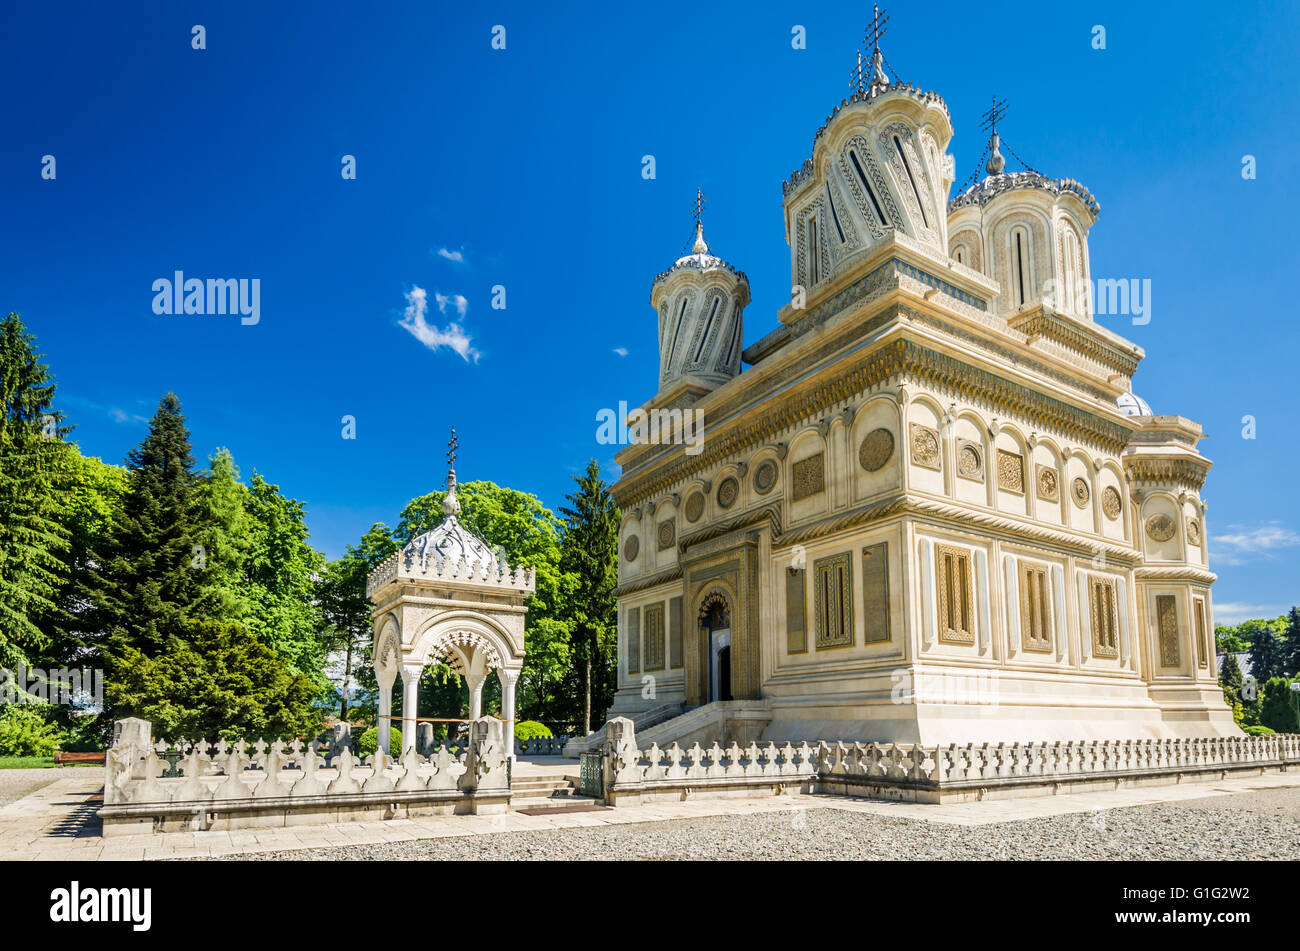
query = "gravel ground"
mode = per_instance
[
  {"x": 17, "y": 783},
  {"x": 1140, "y": 832}
]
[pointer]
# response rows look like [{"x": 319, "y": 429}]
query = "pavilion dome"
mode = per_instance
[
  {"x": 1130, "y": 404},
  {"x": 449, "y": 540}
]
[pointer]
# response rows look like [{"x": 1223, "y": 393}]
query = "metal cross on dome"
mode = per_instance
[
  {"x": 697, "y": 207},
  {"x": 876, "y": 29},
  {"x": 860, "y": 75},
  {"x": 452, "y": 445},
  {"x": 993, "y": 115}
]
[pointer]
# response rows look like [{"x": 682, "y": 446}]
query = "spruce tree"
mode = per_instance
[
  {"x": 34, "y": 466},
  {"x": 1266, "y": 654},
  {"x": 1230, "y": 679},
  {"x": 1291, "y": 666},
  {"x": 589, "y": 552},
  {"x": 146, "y": 583}
]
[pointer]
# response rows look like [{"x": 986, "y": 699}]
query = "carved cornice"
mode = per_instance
[
  {"x": 640, "y": 584},
  {"x": 983, "y": 192},
  {"x": 770, "y": 513},
  {"x": 965, "y": 519},
  {"x": 1162, "y": 470},
  {"x": 899, "y": 357},
  {"x": 1187, "y": 573},
  {"x": 1081, "y": 338}
]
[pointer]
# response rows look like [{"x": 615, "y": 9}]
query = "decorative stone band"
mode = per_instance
[
  {"x": 498, "y": 574},
  {"x": 927, "y": 773},
  {"x": 183, "y": 785}
]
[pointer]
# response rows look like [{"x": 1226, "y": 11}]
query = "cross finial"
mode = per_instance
[
  {"x": 993, "y": 115},
  {"x": 450, "y": 504},
  {"x": 876, "y": 29},
  {"x": 697, "y": 207},
  {"x": 996, "y": 162}
]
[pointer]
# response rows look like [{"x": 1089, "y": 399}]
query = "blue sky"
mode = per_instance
[{"x": 522, "y": 168}]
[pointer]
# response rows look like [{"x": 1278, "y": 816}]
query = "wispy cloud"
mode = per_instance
[
  {"x": 453, "y": 335},
  {"x": 1233, "y": 613},
  {"x": 1240, "y": 544},
  {"x": 457, "y": 256},
  {"x": 621, "y": 351},
  {"x": 122, "y": 416}
]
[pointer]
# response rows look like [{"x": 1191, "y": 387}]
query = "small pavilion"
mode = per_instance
[{"x": 447, "y": 597}]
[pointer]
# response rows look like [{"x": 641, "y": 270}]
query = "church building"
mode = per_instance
[{"x": 930, "y": 507}]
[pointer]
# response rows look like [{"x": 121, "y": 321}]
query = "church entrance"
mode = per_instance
[{"x": 717, "y": 628}]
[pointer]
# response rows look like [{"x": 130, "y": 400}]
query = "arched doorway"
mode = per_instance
[{"x": 715, "y": 619}]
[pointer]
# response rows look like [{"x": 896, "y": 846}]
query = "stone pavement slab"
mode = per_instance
[{"x": 58, "y": 822}]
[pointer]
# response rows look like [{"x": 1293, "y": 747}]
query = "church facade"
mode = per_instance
[{"x": 931, "y": 509}]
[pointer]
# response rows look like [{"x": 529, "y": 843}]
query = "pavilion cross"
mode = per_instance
[
  {"x": 993, "y": 115},
  {"x": 452, "y": 445},
  {"x": 697, "y": 206}
]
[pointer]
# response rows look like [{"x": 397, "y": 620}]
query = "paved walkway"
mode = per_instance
[{"x": 59, "y": 821}]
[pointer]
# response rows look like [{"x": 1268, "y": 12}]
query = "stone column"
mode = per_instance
[
  {"x": 475, "y": 695},
  {"x": 508, "y": 680},
  {"x": 383, "y": 723},
  {"x": 410, "y": 703}
]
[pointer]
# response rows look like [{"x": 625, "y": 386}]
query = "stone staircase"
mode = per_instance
[
  {"x": 641, "y": 720},
  {"x": 546, "y": 791}
]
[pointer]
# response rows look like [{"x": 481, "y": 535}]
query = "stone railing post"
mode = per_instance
[
  {"x": 621, "y": 756},
  {"x": 486, "y": 780}
]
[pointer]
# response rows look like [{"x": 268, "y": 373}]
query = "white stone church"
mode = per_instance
[{"x": 931, "y": 508}]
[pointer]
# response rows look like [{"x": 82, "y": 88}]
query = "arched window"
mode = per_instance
[
  {"x": 1020, "y": 267},
  {"x": 1072, "y": 270}
]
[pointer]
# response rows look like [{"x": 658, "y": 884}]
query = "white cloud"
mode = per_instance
[
  {"x": 1240, "y": 544},
  {"x": 453, "y": 335},
  {"x": 442, "y": 300},
  {"x": 122, "y": 416},
  {"x": 1233, "y": 613},
  {"x": 457, "y": 256},
  {"x": 621, "y": 351}
]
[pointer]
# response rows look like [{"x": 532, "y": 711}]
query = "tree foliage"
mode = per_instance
[{"x": 34, "y": 464}]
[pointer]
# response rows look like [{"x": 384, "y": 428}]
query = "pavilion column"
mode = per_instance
[
  {"x": 508, "y": 680},
  {"x": 475, "y": 695},
  {"x": 385, "y": 711},
  {"x": 410, "y": 703}
]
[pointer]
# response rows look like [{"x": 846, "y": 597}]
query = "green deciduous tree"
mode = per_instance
[
  {"x": 224, "y": 532},
  {"x": 346, "y": 610},
  {"x": 280, "y": 572},
  {"x": 1277, "y": 706}
]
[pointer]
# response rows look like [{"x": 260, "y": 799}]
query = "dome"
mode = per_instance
[
  {"x": 449, "y": 540},
  {"x": 1130, "y": 404}
]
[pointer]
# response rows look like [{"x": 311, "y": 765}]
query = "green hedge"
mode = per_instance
[
  {"x": 24, "y": 732},
  {"x": 532, "y": 730},
  {"x": 1258, "y": 730},
  {"x": 368, "y": 742}
]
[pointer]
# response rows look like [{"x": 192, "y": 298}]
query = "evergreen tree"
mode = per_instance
[
  {"x": 220, "y": 682},
  {"x": 1277, "y": 709},
  {"x": 1292, "y": 643},
  {"x": 590, "y": 554},
  {"x": 144, "y": 585},
  {"x": 34, "y": 464},
  {"x": 1267, "y": 654},
  {"x": 1230, "y": 679}
]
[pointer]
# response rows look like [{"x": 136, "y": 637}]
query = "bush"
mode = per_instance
[
  {"x": 1257, "y": 730},
  {"x": 368, "y": 742},
  {"x": 532, "y": 730},
  {"x": 24, "y": 732}
]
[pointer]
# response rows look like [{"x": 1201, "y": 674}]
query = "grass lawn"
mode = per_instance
[{"x": 26, "y": 762}]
